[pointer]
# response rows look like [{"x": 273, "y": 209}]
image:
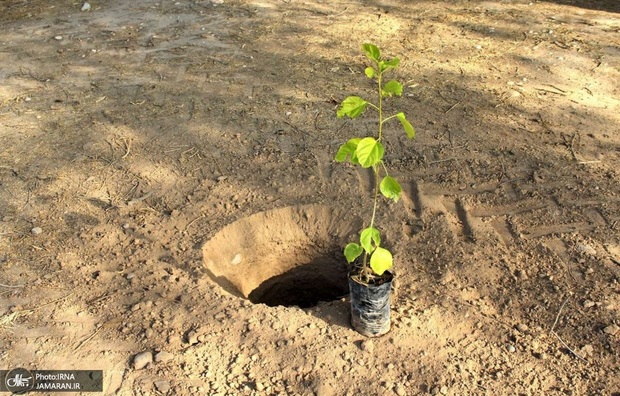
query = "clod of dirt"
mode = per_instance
[{"x": 163, "y": 357}]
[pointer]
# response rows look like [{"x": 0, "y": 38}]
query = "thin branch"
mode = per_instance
[
  {"x": 50, "y": 303},
  {"x": 572, "y": 147},
  {"x": 372, "y": 105},
  {"x": 442, "y": 160},
  {"x": 127, "y": 148},
  {"x": 11, "y": 287},
  {"x": 453, "y": 106},
  {"x": 569, "y": 349},
  {"x": 557, "y": 317},
  {"x": 90, "y": 337}
]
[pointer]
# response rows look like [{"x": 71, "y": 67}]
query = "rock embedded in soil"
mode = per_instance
[
  {"x": 162, "y": 386},
  {"x": 142, "y": 360},
  {"x": 522, "y": 327},
  {"x": 367, "y": 346},
  {"x": 400, "y": 390},
  {"x": 192, "y": 338},
  {"x": 611, "y": 329},
  {"x": 37, "y": 231},
  {"x": 163, "y": 357}
]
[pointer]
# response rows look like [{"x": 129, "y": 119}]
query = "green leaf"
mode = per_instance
[
  {"x": 386, "y": 65},
  {"x": 381, "y": 260},
  {"x": 369, "y": 152},
  {"x": 394, "y": 62},
  {"x": 352, "y": 106},
  {"x": 368, "y": 236},
  {"x": 370, "y": 72},
  {"x": 372, "y": 51},
  {"x": 392, "y": 87},
  {"x": 408, "y": 127},
  {"x": 352, "y": 251},
  {"x": 348, "y": 149},
  {"x": 390, "y": 188}
]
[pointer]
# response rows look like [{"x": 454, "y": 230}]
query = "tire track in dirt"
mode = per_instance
[
  {"x": 366, "y": 181},
  {"x": 507, "y": 223}
]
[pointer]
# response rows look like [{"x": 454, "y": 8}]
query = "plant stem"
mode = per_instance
[
  {"x": 374, "y": 206},
  {"x": 389, "y": 118},
  {"x": 380, "y": 104},
  {"x": 376, "y": 168}
]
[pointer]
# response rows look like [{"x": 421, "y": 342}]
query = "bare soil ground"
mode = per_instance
[{"x": 143, "y": 141}]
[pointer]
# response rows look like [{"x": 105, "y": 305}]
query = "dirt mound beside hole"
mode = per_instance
[{"x": 287, "y": 256}]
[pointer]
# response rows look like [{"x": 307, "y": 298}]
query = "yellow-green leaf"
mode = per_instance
[
  {"x": 348, "y": 149},
  {"x": 352, "y": 251},
  {"x": 406, "y": 125},
  {"x": 386, "y": 65},
  {"x": 381, "y": 260},
  {"x": 390, "y": 188},
  {"x": 370, "y": 238},
  {"x": 352, "y": 107},
  {"x": 372, "y": 51},
  {"x": 369, "y": 152},
  {"x": 392, "y": 87},
  {"x": 370, "y": 72}
]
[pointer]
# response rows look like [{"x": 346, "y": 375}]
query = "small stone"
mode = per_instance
[
  {"x": 85, "y": 7},
  {"x": 192, "y": 338},
  {"x": 521, "y": 274},
  {"x": 222, "y": 178},
  {"x": 367, "y": 345},
  {"x": 443, "y": 390},
  {"x": 163, "y": 357},
  {"x": 611, "y": 329},
  {"x": 162, "y": 386},
  {"x": 400, "y": 390},
  {"x": 588, "y": 304},
  {"x": 36, "y": 230},
  {"x": 511, "y": 348},
  {"x": 142, "y": 359},
  {"x": 586, "y": 249},
  {"x": 587, "y": 350},
  {"x": 58, "y": 38},
  {"x": 522, "y": 327}
]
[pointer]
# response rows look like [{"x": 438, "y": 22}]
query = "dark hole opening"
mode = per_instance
[{"x": 323, "y": 279}]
